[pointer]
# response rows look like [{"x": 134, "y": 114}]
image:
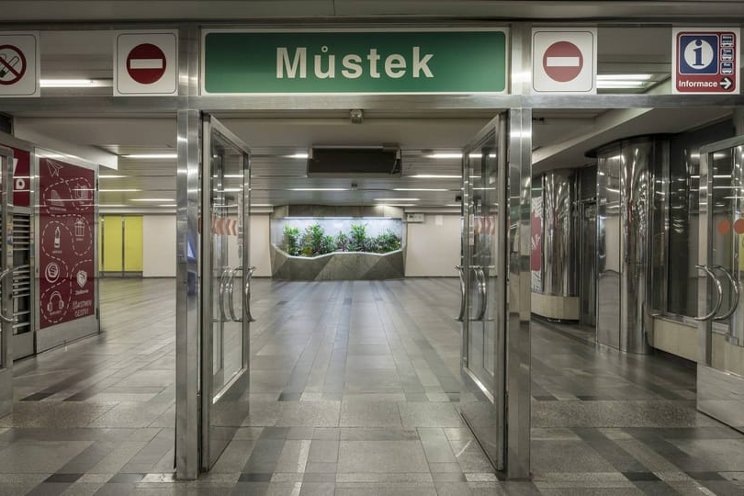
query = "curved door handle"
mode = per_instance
[
  {"x": 461, "y": 274},
  {"x": 482, "y": 291},
  {"x": 3, "y": 275},
  {"x": 247, "y": 294},
  {"x": 230, "y": 295},
  {"x": 735, "y": 287},
  {"x": 719, "y": 291},
  {"x": 223, "y": 287}
]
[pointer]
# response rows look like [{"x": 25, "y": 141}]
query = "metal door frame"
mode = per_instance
[
  {"x": 6, "y": 282},
  {"x": 209, "y": 395}
]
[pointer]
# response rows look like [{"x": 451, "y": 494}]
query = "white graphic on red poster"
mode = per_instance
[{"x": 66, "y": 220}]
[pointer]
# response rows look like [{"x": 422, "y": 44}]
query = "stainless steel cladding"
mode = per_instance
[
  {"x": 559, "y": 245},
  {"x": 624, "y": 183}
]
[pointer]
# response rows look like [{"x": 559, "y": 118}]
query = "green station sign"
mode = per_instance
[{"x": 376, "y": 62}]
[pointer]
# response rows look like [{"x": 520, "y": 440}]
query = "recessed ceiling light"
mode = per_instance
[
  {"x": 110, "y": 176},
  {"x": 621, "y": 84},
  {"x": 420, "y": 189},
  {"x": 153, "y": 199},
  {"x": 130, "y": 190},
  {"x": 74, "y": 83},
  {"x": 318, "y": 189},
  {"x": 445, "y": 155},
  {"x": 229, "y": 190},
  {"x": 397, "y": 199},
  {"x": 168, "y": 205},
  {"x": 623, "y": 77},
  {"x": 153, "y": 156},
  {"x": 436, "y": 176},
  {"x": 300, "y": 155}
]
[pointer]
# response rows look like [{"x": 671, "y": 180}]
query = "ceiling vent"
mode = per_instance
[{"x": 361, "y": 161}]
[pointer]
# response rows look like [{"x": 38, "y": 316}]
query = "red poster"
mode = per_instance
[
  {"x": 21, "y": 177},
  {"x": 66, "y": 222}
]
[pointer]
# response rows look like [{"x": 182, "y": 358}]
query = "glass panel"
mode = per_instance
[
  {"x": 481, "y": 402},
  {"x": 227, "y": 209},
  {"x": 225, "y": 333}
]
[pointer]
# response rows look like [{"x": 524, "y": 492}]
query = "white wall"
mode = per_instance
[
  {"x": 159, "y": 245},
  {"x": 433, "y": 247}
]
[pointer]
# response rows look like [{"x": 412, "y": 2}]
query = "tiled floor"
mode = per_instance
[{"x": 354, "y": 389}]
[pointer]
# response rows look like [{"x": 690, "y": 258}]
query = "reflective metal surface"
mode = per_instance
[
  {"x": 624, "y": 196},
  {"x": 6, "y": 284},
  {"x": 558, "y": 246},
  {"x": 224, "y": 336},
  {"x": 188, "y": 252}
]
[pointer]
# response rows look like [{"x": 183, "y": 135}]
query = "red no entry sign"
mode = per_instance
[
  {"x": 563, "y": 61},
  {"x": 146, "y": 63}
]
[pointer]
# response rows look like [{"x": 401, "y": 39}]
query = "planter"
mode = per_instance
[{"x": 337, "y": 266}]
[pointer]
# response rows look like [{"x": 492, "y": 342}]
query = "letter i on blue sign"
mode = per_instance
[{"x": 698, "y": 54}]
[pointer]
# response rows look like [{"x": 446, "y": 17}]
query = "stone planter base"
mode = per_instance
[{"x": 338, "y": 266}]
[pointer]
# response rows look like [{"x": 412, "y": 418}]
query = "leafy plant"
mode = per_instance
[
  {"x": 358, "y": 238},
  {"x": 312, "y": 239},
  {"x": 387, "y": 242},
  {"x": 292, "y": 240},
  {"x": 327, "y": 245},
  {"x": 342, "y": 242}
]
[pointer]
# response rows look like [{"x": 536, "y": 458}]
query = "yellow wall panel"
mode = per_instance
[
  {"x": 133, "y": 243},
  {"x": 112, "y": 242}
]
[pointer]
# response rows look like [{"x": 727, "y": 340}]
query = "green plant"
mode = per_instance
[
  {"x": 312, "y": 239},
  {"x": 387, "y": 242},
  {"x": 342, "y": 242},
  {"x": 358, "y": 239},
  {"x": 327, "y": 245},
  {"x": 292, "y": 240}
]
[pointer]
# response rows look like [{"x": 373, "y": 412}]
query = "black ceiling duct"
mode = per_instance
[{"x": 344, "y": 161}]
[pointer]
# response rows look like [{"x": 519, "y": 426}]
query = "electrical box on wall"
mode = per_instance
[{"x": 415, "y": 218}]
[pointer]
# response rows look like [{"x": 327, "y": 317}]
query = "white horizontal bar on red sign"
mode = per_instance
[
  {"x": 146, "y": 64},
  {"x": 563, "y": 62}
]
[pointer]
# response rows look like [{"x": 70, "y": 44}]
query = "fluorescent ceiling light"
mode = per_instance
[
  {"x": 261, "y": 205},
  {"x": 623, "y": 77},
  {"x": 153, "y": 199},
  {"x": 300, "y": 155},
  {"x": 168, "y": 205},
  {"x": 621, "y": 84},
  {"x": 397, "y": 199},
  {"x": 74, "y": 83},
  {"x": 318, "y": 189},
  {"x": 112, "y": 176},
  {"x": 110, "y": 205},
  {"x": 445, "y": 155},
  {"x": 436, "y": 176},
  {"x": 229, "y": 190},
  {"x": 453, "y": 205},
  {"x": 131, "y": 190},
  {"x": 232, "y": 176},
  {"x": 155, "y": 156},
  {"x": 420, "y": 189}
]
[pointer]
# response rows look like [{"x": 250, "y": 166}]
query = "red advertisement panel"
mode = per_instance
[
  {"x": 21, "y": 177},
  {"x": 66, "y": 222}
]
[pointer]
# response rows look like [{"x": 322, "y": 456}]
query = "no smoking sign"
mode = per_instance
[
  {"x": 145, "y": 63},
  {"x": 564, "y": 61},
  {"x": 19, "y": 64}
]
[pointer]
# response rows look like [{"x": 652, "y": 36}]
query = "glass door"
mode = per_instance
[
  {"x": 6, "y": 280},
  {"x": 483, "y": 276},
  {"x": 720, "y": 388},
  {"x": 225, "y": 296}
]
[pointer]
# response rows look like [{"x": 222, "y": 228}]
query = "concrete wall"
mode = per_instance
[
  {"x": 433, "y": 247},
  {"x": 159, "y": 245}
]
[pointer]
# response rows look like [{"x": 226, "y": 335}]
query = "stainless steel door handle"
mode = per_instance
[
  {"x": 734, "y": 286},
  {"x": 719, "y": 291},
  {"x": 461, "y": 315},
  {"x": 247, "y": 294},
  {"x": 482, "y": 291},
  {"x": 230, "y": 295},
  {"x": 223, "y": 286}
]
